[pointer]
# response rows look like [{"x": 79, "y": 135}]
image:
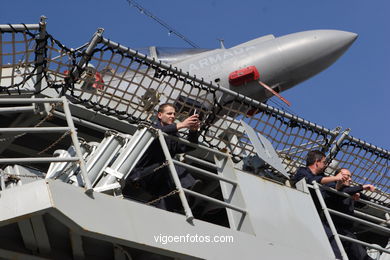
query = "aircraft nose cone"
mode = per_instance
[{"x": 305, "y": 54}]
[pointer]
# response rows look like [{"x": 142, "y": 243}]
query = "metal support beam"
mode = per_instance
[
  {"x": 27, "y": 234},
  {"x": 40, "y": 234},
  {"x": 77, "y": 246},
  {"x": 40, "y": 52}
]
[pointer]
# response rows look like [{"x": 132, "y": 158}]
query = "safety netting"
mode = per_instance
[
  {"x": 17, "y": 62},
  {"x": 115, "y": 80},
  {"x": 368, "y": 164}
]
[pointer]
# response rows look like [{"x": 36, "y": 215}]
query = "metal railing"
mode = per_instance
[
  {"x": 70, "y": 128},
  {"x": 338, "y": 237},
  {"x": 182, "y": 191}
]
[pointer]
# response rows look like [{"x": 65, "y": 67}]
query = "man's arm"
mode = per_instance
[
  {"x": 191, "y": 122},
  {"x": 329, "y": 179},
  {"x": 169, "y": 129}
]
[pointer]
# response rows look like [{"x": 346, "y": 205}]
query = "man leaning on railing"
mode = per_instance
[
  {"x": 314, "y": 170},
  {"x": 346, "y": 206}
]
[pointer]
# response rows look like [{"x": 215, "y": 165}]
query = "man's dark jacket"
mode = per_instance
[{"x": 159, "y": 182}]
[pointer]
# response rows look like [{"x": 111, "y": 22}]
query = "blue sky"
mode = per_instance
[{"x": 353, "y": 93}]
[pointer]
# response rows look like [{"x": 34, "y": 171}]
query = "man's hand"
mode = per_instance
[
  {"x": 369, "y": 187},
  {"x": 339, "y": 177},
  {"x": 191, "y": 122},
  {"x": 356, "y": 196}
]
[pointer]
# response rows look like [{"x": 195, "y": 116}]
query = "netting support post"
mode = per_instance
[
  {"x": 97, "y": 37},
  {"x": 334, "y": 134},
  {"x": 336, "y": 147},
  {"x": 40, "y": 53}
]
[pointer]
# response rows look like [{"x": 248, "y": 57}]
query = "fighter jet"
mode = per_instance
[{"x": 265, "y": 66}]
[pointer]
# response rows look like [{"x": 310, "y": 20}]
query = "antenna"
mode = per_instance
[{"x": 161, "y": 22}]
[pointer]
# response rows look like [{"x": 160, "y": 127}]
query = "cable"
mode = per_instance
[{"x": 161, "y": 22}]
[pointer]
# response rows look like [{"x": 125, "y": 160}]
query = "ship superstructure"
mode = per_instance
[{"x": 75, "y": 122}]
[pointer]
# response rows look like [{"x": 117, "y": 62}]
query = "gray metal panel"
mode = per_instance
[
  {"x": 233, "y": 195},
  {"x": 265, "y": 150},
  {"x": 23, "y": 200},
  {"x": 283, "y": 216},
  {"x": 277, "y": 221}
]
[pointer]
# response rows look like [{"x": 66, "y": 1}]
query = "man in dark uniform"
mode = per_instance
[
  {"x": 347, "y": 206},
  {"x": 314, "y": 170},
  {"x": 150, "y": 172}
]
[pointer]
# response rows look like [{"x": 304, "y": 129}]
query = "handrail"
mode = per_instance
[
  {"x": 182, "y": 191},
  {"x": 71, "y": 129},
  {"x": 367, "y": 223},
  {"x": 379, "y": 248},
  {"x": 194, "y": 145},
  {"x": 215, "y": 201},
  {"x": 205, "y": 173},
  {"x": 330, "y": 221},
  {"x": 386, "y": 209},
  {"x": 337, "y": 236}
]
